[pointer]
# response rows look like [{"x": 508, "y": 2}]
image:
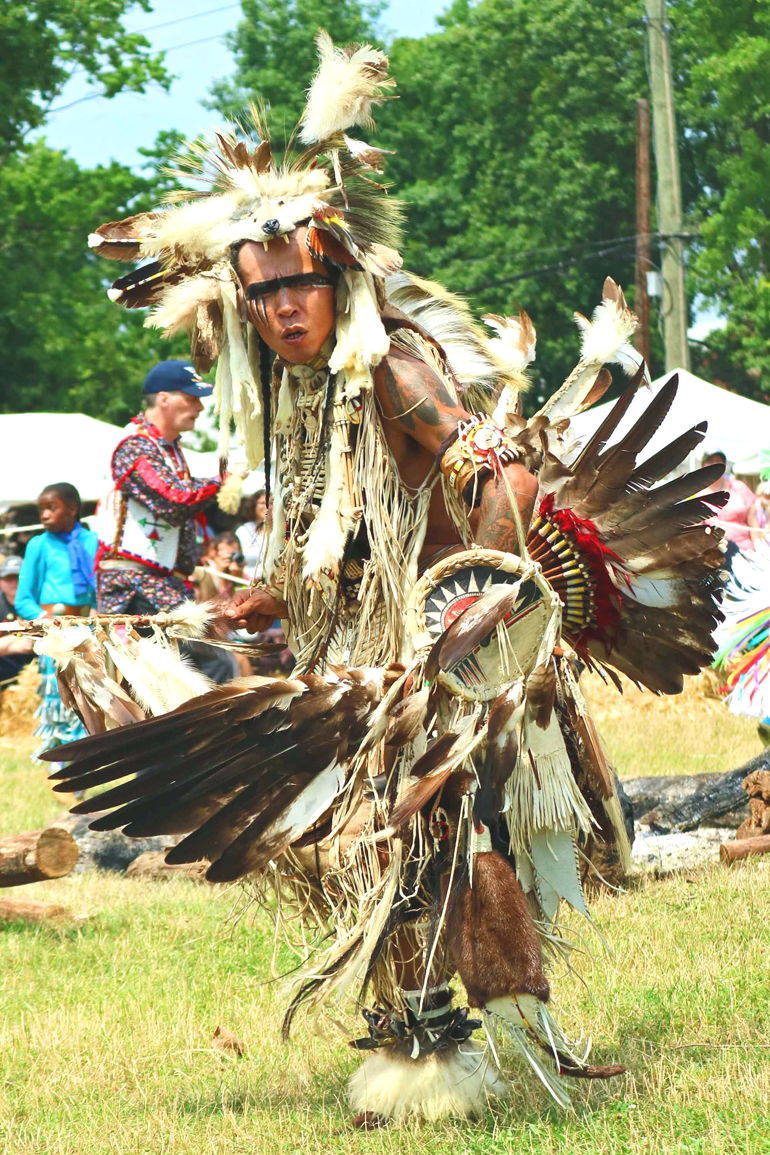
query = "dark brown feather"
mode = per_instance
[
  {"x": 473, "y": 625},
  {"x": 121, "y": 240}
]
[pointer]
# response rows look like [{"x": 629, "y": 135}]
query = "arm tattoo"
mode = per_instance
[
  {"x": 417, "y": 396},
  {"x": 497, "y": 521}
]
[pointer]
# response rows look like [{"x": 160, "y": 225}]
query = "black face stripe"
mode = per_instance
[{"x": 259, "y": 289}]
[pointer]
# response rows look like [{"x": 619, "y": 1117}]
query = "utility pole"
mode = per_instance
[
  {"x": 643, "y": 263},
  {"x": 669, "y": 189}
]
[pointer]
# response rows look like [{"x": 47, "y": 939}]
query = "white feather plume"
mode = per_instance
[
  {"x": 190, "y": 619},
  {"x": 515, "y": 344},
  {"x": 60, "y": 643},
  {"x": 348, "y": 82},
  {"x": 177, "y": 310},
  {"x": 605, "y": 336},
  {"x": 448, "y": 320}
]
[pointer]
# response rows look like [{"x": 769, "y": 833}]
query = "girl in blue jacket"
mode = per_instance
[{"x": 57, "y": 577}]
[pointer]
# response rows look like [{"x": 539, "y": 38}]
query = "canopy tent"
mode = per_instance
[
  {"x": 40, "y": 448},
  {"x": 736, "y": 425}
]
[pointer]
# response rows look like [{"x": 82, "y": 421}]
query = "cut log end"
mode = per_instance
[
  {"x": 36, "y": 856},
  {"x": 730, "y": 852}
]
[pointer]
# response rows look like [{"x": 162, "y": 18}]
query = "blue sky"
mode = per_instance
[{"x": 95, "y": 130}]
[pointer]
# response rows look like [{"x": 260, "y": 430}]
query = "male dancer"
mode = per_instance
[{"x": 428, "y": 783}]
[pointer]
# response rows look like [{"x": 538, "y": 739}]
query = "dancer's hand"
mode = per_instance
[{"x": 253, "y": 610}]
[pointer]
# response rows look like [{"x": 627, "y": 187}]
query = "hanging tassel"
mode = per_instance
[
  {"x": 361, "y": 338},
  {"x": 246, "y": 404},
  {"x": 338, "y": 515},
  {"x": 542, "y": 793}
]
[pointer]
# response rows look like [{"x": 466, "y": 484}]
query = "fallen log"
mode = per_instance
[
  {"x": 36, "y": 856},
  {"x": 711, "y": 800},
  {"x": 13, "y": 910},
  {"x": 108, "y": 849},
  {"x": 757, "y": 785},
  {"x": 730, "y": 852}
]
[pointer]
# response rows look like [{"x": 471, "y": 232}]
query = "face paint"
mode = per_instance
[{"x": 289, "y": 297}]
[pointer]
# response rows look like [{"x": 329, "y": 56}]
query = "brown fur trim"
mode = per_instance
[{"x": 491, "y": 938}]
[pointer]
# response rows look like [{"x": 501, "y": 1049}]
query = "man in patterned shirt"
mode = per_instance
[{"x": 147, "y": 524}]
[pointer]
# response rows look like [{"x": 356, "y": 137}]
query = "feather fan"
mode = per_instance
[{"x": 240, "y": 802}]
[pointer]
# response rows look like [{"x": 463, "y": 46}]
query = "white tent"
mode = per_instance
[
  {"x": 40, "y": 448},
  {"x": 736, "y": 425}
]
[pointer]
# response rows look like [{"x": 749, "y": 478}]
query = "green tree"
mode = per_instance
[
  {"x": 722, "y": 53},
  {"x": 67, "y": 347},
  {"x": 515, "y": 151},
  {"x": 45, "y": 41}
]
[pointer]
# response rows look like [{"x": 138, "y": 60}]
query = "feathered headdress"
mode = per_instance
[{"x": 251, "y": 195}]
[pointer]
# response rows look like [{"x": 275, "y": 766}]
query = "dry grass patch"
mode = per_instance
[{"x": 688, "y": 733}]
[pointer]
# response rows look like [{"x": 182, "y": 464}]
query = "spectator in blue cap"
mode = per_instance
[{"x": 147, "y": 524}]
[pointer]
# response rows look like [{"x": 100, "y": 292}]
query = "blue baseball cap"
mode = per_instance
[{"x": 176, "y": 377}]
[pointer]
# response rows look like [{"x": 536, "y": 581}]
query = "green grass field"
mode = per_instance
[{"x": 107, "y": 1025}]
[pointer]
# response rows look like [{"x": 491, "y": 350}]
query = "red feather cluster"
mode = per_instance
[{"x": 600, "y": 560}]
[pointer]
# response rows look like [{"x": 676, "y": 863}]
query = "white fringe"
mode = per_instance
[
  {"x": 361, "y": 340},
  {"x": 543, "y": 796},
  {"x": 336, "y": 518},
  {"x": 245, "y": 398}
]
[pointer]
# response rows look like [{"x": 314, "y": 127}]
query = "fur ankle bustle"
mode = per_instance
[{"x": 453, "y": 1081}]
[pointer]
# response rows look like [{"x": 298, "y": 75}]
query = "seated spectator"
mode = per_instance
[
  {"x": 15, "y": 652},
  {"x": 734, "y": 516},
  {"x": 759, "y": 518},
  {"x": 222, "y": 553},
  {"x": 252, "y": 535}
]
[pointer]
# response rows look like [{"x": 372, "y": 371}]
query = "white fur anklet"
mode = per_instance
[{"x": 457, "y": 1080}]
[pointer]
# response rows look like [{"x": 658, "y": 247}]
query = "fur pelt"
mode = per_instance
[
  {"x": 491, "y": 938},
  {"x": 451, "y": 1082}
]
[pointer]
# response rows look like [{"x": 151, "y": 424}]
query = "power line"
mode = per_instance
[
  {"x": 557, "y": 267},
  {"x": 170, "y": 24},
  {"x": 565, "y": 248},
  {"x": 103, "y": 93},
  {"x": 184, "y": 19}
]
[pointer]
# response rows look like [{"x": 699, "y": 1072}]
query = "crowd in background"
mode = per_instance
[{"x": 48, "y": 569}]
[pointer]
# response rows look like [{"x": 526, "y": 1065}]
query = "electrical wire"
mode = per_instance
[
  {"x": 103, "y": 93},
  {"x": 557, "y": 267},
  {"x": 169, "y": 24}
]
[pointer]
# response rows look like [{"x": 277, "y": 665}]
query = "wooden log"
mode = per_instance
[
  {"x": 152, "y": 864},
  {"x": 36, "y": 856},
  {"x": 730, "y": 852},
  {"x": 720, "y": 795},
  {"x": 13, "y": 910}
]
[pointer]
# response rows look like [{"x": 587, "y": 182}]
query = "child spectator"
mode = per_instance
[
  {"x": 14, "y": 652},
  {"x": 253, "y": 537},
  {"x": 57, "y": 577}
]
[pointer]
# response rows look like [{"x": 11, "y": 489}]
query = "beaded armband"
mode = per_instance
[{"x": 480, "y": 449}]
